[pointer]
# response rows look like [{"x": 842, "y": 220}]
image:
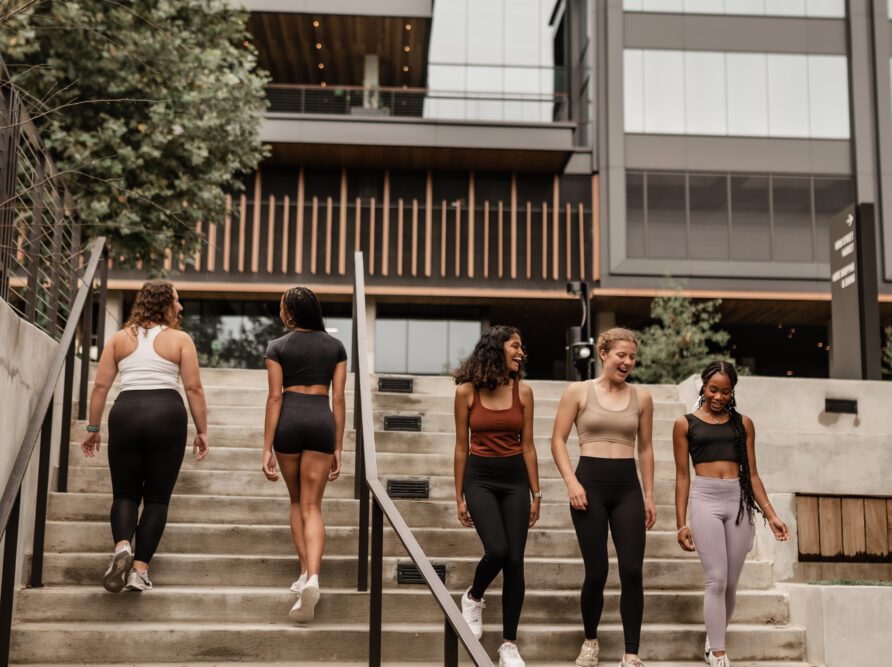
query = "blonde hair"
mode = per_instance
[{"x": 608, "y": 338}]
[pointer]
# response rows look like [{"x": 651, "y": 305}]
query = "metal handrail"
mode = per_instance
[
  {"x": 368, "y": 483},
  {"x": 41, "y": 424}
]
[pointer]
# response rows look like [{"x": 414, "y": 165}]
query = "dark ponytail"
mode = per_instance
[
  {"x": 747, "y": 499},
  {"x": 302, "y": 309}
]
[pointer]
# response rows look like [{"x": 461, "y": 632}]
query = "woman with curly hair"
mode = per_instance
[
  {"x": 610, "y": 416},
  {"x": 146, "y": 426},
  {"x": 301, "y": 432},
  {"x": 496, "y": 473},
  {"x": 727, "y": 493}
]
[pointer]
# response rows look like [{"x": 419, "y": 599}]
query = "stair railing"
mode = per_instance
[
  {"x": 369, "y": 484},
  {"x": 41, "y": 423}
]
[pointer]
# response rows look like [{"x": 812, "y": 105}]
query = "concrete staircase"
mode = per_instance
[{"x": 225, "y": 563}]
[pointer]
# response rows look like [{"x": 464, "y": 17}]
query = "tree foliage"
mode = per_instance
[
  {"x": 683, "y": 339},
  {"x": 149, "y": 108}
]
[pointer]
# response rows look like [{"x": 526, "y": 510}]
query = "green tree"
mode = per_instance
[
  {"x": 149, "y": 108},
  {"x": 683, "y": 339}
]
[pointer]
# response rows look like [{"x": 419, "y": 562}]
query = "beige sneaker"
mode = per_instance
[
  {"x": 588, "y": 654},
  {"x": 304, "y": 610},
  {"x": 115, "y": 577},
  {"x": 715, "y": 661},
  {"x": 634, "y": 662}
]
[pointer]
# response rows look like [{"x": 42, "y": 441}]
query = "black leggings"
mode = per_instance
[
  {"x": 614, "y": 498},
  {"x": 146, "y": 445},
  {"x": 497, "y": 491}
]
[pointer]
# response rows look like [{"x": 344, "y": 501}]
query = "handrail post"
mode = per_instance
[
  {"x": 361, "y": 490},
  {"x": 375, "y": 595},
  {"x": 7, "y": 588},
  {"x": 103, "y": 299},
  {"x": 65, "y": 430},
  {"x": 43, "y": 482},
  {"x": 450, "y": 645},
  {"x": 86, "y": 342}
]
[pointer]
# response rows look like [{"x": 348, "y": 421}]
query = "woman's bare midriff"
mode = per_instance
[
  {"x": 314, "y": 389},
  {"x": 607, "y": 450},
  {"x": 717, "y": 469}
]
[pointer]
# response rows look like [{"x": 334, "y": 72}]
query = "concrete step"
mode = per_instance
[
  {"x": 270, "y": 605},
  {"x": 81, "y": 569},
  {"x": 275, "y": 540},
  {"x": 462, "y": 661},
  {"x": 40, "y": 642}
]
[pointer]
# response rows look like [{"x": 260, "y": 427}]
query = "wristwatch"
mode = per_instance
[
  {"x": 537, "y": 495},
  {"x": 92, "y": 428}
]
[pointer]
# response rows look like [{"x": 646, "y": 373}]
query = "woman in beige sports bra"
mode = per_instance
[{"x": 610, "y": 415}]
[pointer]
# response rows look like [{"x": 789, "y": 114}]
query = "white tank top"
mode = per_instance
[{"x": 146, "y": 369}]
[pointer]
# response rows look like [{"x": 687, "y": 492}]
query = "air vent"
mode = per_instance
[
  {"x": 396, "y": 385},
  {"x": 402, "y": 423},
  {"x": 407, "y": 573},
  {"x": 841, "y": 406},
  {"x": 408, "y": 488}
]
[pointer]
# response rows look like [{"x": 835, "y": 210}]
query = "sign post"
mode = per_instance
[{"x": 855, "y": 313}]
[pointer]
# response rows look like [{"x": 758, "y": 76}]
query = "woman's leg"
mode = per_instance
[
  {"x": 126, "y": 466},
  {"x": 483, "y": 506},
  {"x": 289, "y": 465},
  {"x": 708, "y": 530},
  {"x": 591, "y": 532},
  {"x": 738, "y": 542},
  {"x": 627, "y": 525},
  {"x": 515, "y": 511},
  {"x": 314, "y": 469}
]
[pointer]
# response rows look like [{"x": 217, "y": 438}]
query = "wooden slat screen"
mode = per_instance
[{"x": 844, "y": 529}]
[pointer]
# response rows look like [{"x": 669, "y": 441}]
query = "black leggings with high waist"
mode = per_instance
[
  {"x": 615, "y": 500},
  {"x": 146, "y": 445}
]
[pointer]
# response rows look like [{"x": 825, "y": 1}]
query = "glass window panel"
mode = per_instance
[
  {"x": 523, "y": 33},
  {"x": 664, "y": 92},
  {"x": 705, "y": 93},
  {"x": 834, "y": 200},
  {"x": 391, "y": 342},
  {"x": 634, "y": 215},
  {"x": 666, "y": 225},
  {"x": 828, "y": 97},
  {"x": 486, "y": 36},
  {"x": 785, "y": 7},
  {"x": 462, "y": 339},
  {"x": 704, "y": 6},
  {"x": 449, "y": 37},
  {"x": 633, "y": 90},
  {"x": 825, "y": 8},
  {"x": 428, "y": 346},
  {"x": 793, "y": 234},
  {"x": 342, "y": 329},
  {"x": 750, "y": 218},
  {"x": 709, "y": 216},
  {"x": 788, "y": 95},
  {"x": 749, "y": 7},
  {"x": 663, "y": 5},
  {"x": 747, "y": 94},
  {"x": 637, "y": 5}
]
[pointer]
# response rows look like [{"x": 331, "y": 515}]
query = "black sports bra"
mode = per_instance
[
  {"x": 306, "y": 357},
  {"x": 710, "y": 442}
]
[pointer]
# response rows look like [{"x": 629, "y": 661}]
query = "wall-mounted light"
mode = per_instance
[
  {"x": 407, "y": 48},
  {"x": 405, "y": 68},
  {"x": 318, "y": 45},
  {"x": 315, "y": 24},
  {"x": 323, "y": 84},
  {"x": 408, "y": 26},
  {"x": 321, "y": 65}
]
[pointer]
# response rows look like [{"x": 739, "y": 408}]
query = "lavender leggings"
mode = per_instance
[{"x": 722, "y": 546}]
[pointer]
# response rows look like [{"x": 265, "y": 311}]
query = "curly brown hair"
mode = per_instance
[
  {"x": 153, "y": 306},
  {"x": 486, "y": 367}
]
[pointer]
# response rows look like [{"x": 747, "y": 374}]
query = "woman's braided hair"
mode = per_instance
[
  {"x": 302, "y": 309},
  {"x": 152, "y": 306},
  {"x": 486, "y": 367},
  {"x": 747, "y": 499}
]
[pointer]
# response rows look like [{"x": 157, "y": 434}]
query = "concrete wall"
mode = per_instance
[{"x": 25, "y": 356}]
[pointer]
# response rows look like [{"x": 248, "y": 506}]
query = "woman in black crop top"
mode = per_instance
[
  {"x": 727, "y": 493},
  {"x": 302, "y": 433}
]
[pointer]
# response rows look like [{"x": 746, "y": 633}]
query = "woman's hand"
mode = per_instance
[
  {"x": 200, "y": 446},
  {"x": 578, "y": 499},
  {"x": 90, "y": 445},
  {"x": 650, "y": 512},
  {"x": 534, "y": 511},
  {"x": 685, "y": 539},
  {"x": 335, "y": 471},
  {"x": 779, "y": 528},
  {"x": 463, "y": 515},
  {"x": 269, "y": 465}
]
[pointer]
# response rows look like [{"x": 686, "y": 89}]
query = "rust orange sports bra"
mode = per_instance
[{"x": 496, "y": 432}]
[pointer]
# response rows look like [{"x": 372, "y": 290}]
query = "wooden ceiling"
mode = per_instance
[{"x": 287, "y": 46}]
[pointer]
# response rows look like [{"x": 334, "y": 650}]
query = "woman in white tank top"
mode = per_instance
[{"x": 146, "y": 426}]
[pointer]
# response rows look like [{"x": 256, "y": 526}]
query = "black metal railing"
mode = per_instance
[
  {"x": 368, "y": 485},
  {"x": 40, "y": 424}
]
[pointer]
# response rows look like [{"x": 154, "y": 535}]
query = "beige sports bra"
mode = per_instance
[{"x": 595, "y": 423}]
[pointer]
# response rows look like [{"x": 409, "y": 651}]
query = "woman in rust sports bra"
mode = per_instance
[{"x": 496, "y": 473}]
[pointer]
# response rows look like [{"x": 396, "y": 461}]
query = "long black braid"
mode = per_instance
[
  {"x": 747, "y": 499},
  {"x": 302, "y": 309}
]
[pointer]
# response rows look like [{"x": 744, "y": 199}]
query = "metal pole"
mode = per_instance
[
  {"x": 43, "y": 483},
  {"x": 103, "y": 299},
  {"x": 450, "y": 645},
  {"x": 375, "y": 596},
  {"x": 7, "y": 587},
  {"x": 86, "y": 342},
  {"x": 362, "y": 555},
  {"x": 65, "y": 431}
]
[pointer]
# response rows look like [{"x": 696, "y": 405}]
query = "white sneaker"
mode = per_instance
[
  {"x": 634, "y": 662},
  {"x": 588, "y": 654},
  {"x": 304, "y": 609},
  {"x": 715, "y": 661},
  {"x": 472, "y": 612},
  {"x": 116, "y": 575},
  {"x": 138, "y": 581},
  {"x": 298, "y": 585},
  {"x": 509, "y": 657},
  {"x": 706, "y": 650}
]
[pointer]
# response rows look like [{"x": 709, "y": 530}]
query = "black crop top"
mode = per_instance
[
  {"x": 710, "y": 442},
  {"x": 306, "y": 357}
]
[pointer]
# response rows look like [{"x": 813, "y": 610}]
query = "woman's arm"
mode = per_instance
[
  {"x": 271, "y": 417},
  {"x": 339, "y": 409},
  {"x": 646, "y": 453},
  {"x": 567, "y": 410},
  {"x": 528, "y": 446},
  {"x": 682, "y": 483},
  {"x": 462, "y": 411},
  {"x": 778, "y": 527},
  {"x": 106, "y": 373},
  {"x": 194, "y": 395}
]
